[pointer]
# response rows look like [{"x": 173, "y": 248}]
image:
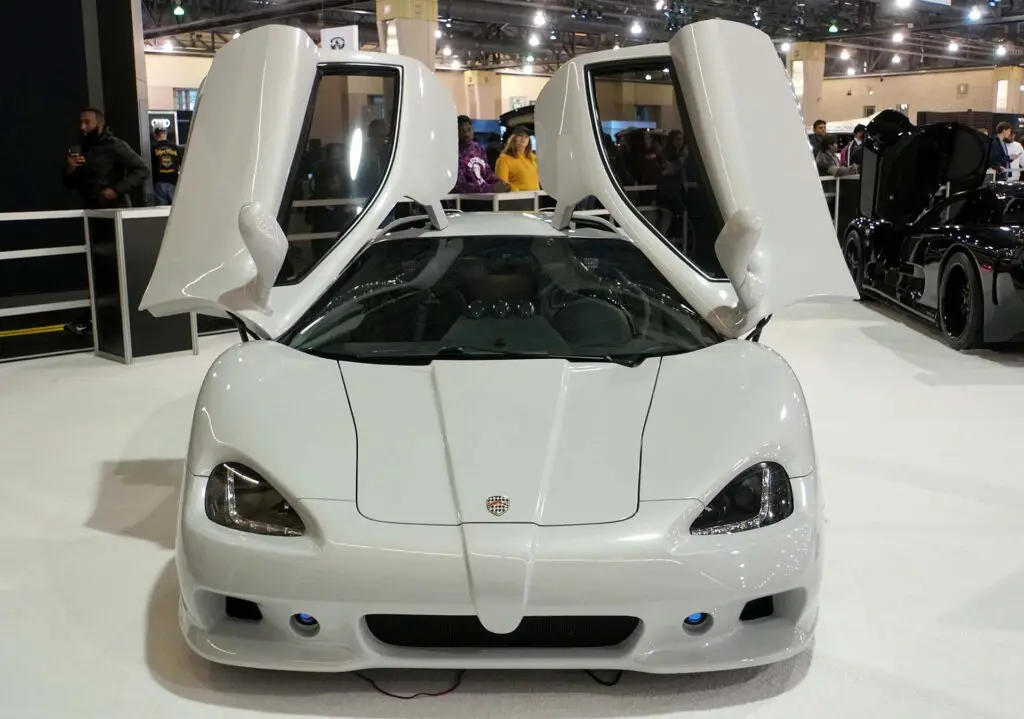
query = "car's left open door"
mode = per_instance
[{"x": 297, "y": 156}]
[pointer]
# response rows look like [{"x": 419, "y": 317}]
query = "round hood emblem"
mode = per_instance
[{"x": 497, "y": 505}]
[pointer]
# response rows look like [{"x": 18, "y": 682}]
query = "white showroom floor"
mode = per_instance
[{"x": 922, "y": 613}]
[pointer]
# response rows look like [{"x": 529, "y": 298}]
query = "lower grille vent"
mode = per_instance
[{"x": 454, "y": 632}]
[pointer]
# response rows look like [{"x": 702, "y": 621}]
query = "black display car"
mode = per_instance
[{"x": 934, "y": 238}]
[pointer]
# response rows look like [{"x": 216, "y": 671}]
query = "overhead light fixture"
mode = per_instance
[
  {"x": 666, "y": 71},
  {"x": 903, "y": 4},
  {"x": 974, "y": 14},
  {"x": 636, "y": 28},
  {"x": 534, "y": 40},
  {"x": 647, "y": 77},
  {"x": 851, "y": 71},
  {"x": 553, "y": 35},
  {"x": 659, "y": 5},
  {"x": 238, "y": 34},
  {"x": 540, "y": 19},
  {"x": 844, "y": 55},
  {"x": 447, "y": 51},
  {"x": 527, "y": 69},
  {"x": 953, "y": 46},
  {"x": 833, "y": 28},
  {"x": 530, "y": 58},
  {"x": 896, "y": 60},
  {"x": 1001, "y": 50},
  {"x": 897, "y": 37},
  {"x": 784, "y": 47},
  {"x": 616, "y": 46},
  {"x": 178, "y": 10},
  {"x": 456, "y": 64},
  {"x": 438, "y": 34},
  {"x": 168, "y": 46}
]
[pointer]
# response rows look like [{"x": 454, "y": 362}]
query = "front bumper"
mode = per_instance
[{"x": 649, "y": 567}]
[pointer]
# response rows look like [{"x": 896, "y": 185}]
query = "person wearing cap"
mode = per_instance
[{"x": 517, "y": 164}]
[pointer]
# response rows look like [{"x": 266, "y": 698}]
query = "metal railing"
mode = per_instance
[{"x": 41, "y": 303}]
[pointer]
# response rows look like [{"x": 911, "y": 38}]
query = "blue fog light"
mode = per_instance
[
  {"x": 305, "y": 620},
  {"x": 696, "y": 619}
]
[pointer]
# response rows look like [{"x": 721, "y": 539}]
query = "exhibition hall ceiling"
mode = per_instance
[{"x": 862, "y": 36}]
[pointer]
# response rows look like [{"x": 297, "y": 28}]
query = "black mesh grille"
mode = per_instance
[
  {"x": 758, "y": 609},
  {"x": 410, "y": 630}
]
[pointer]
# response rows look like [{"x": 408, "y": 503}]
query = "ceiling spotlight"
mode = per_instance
[
  {"x": 553, "y": 35},
  {"x": 635, "y": 28},
  {"x": 447, "y": 51},
  {"x": 1001, "y": 50},
  {"x": 896, "y": 60},
  {"x": 178, "y": 10},
  {"x": 647, "y": 77},
  {"x": 833, "y": 28},
  {"x": 534, "y": 40},
  {"x": 438, "y": 34},
  {"x": 784, "y": 47},
  {"x": 168, "y": 46},
  {"x": 844, "y": 55},
  {"x": 953, "y": 46},
  {"x": 660, "y": 5},
  {"x": 851, "y": 71},
  {"x": 903, "y": 4},
  {"x": 237, "y": 34},
  {"x": 897, "y": 37},
  {"x": 666, "y": 71},
  {"x": 530, "y": 58},
  {"x": 974, "y": 14},
  {"x": 540, "y": 19},
  {"x": 527, "y": 69},
  {"x": 616, "y": 46},
  {"x": 455, "y": 63}
]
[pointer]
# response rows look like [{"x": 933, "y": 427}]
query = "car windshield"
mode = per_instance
[{"x": 417, "y": 299}]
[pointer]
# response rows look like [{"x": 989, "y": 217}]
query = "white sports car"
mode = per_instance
[{"x": 498, "y": 439}]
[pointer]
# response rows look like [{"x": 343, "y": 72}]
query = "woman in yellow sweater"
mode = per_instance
[{"x": 517, "y": 165}]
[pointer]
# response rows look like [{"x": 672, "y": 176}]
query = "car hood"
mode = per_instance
[
  {"x": 904, "y": 166},
  {"x": 557, "y": 442}
]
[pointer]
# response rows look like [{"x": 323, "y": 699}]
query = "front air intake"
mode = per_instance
[
  {"x": 758, "y": 609},
  {"x": 466, "y": 632}
]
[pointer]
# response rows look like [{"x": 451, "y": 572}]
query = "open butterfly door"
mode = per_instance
[
  {"x": 284, "y": 129},
  {"x": 774, "y": 239}
]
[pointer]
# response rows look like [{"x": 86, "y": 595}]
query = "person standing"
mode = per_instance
[
  {"x": 1016, "y": 151},
  {"x": 853, "y": 153},
  {"x": 999, "y": 157},
  {"x": 517, "y": 164},
  {"x": 475, "y": 175},
  {"x": 104, "y": 169},
  {"x": 166, "y": 167}
]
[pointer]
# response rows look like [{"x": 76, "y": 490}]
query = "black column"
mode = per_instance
[{"x": 44, "y": 89}]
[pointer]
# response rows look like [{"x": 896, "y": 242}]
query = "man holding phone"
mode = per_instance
[{"x": 104, "y": 169}]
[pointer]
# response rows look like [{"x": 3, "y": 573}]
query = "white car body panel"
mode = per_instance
[
  {"x": 391, "y": 466},
  {"x": 577, "y": 461}
]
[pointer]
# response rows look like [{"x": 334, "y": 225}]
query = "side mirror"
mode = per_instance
[
  {"x": 267, "y": 245},
  {"x": 736, "y": 249}
]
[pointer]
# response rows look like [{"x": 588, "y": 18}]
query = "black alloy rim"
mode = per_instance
[
  {"x": 956, "y": 303},
  {"x": 852, "y": 257}
]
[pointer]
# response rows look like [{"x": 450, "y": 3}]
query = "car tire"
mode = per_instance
[
  {"x": 853, "y": 253},
  {"x": 961, "y": 312}
]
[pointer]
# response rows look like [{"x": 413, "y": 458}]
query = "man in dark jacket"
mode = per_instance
[
  {"x": 998, "y": 157},
  {"x": 104, "y": 170},
  {"x": 166, "y": 167}
]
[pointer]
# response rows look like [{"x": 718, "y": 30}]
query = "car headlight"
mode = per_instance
[
  {"x": 760, "y": 496},
  {"x": 239, "y": 498}
]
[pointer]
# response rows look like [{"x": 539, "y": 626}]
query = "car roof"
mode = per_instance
[{"x": 498, "y": 224}]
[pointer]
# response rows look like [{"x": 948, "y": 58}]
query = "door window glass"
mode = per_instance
[
  {"x": 344, "y": 157},
  {"x": 656, "y": 164}
]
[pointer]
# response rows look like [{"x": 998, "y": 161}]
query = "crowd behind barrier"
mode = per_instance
[{"x": 57, "y": 246}]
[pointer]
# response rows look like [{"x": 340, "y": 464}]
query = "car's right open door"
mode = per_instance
[{"x": 745, "y": 170}]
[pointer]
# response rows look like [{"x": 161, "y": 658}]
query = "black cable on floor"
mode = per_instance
[
  {"x": 458, "y": 682},
  {"x": 604, "y": 682},
  {"x": 455, "y": 685}
]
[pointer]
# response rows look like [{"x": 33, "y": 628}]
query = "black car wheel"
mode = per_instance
[
  {"x": 961, "y": 304},
  {"x": 853, "y": 253}
]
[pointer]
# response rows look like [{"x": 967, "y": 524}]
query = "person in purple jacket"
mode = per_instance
[{"x": 475, "y": 175}]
